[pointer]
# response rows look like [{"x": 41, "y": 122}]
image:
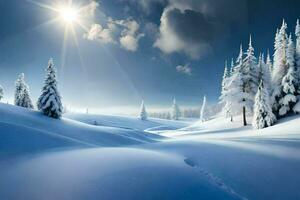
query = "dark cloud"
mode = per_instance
[{"x": 192, "y": 26}]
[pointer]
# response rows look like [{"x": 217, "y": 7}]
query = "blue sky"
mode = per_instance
[{"x": 135, "y": 49}]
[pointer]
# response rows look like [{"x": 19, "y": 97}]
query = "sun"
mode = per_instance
[{"x": 69, "y": 14}]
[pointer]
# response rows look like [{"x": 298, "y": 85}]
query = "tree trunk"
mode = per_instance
[{"x": 244, "y": 116}]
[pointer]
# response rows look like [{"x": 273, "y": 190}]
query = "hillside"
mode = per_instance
[
  {"x": 43, "y": 158},
  {"x": 23, "y": 130}
]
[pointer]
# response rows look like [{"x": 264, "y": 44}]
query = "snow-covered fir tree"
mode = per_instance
[
  {"x": 19, "y": 87},
  {"x": 250, "y": 76},
  {"x": 231, "y": 67},
  {"x": 225, "y": 92},
  {"x": 296, "y": 108},
  {"x": 143, "y": 113},
  {"x": 289, "y": 82},
  {"x": 269, "y": 63},
  {"x": 235, "y": 87},
  {"x": 203, "y": 110},
  {"x": 22, "y": 97},
  {"x": 26, "y": 103},
  {"x": 297, "y": 33},
  {"x": 49, "y": 101},
  {"x": 1, "y": 92},
  {"x": 224, "y": 79},
  {"x": 262, "y": 114},
  {"x": 264, "y": 73},
  {"x": 279, "y": 65},
  {"x": 243, "y": 83},
  {"x": 175, "y": 110}
]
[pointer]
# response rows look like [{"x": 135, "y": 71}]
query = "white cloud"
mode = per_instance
[
  {"x": 89, "y": 10},
  {"x": 122, "y": 32},
  {"x": 185, "y": 69},
  {"x": 97, "y": 32},
  {"x": 129, "y": 36}
]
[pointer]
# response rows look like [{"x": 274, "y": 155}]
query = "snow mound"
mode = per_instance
[
  {"x": 107, "y": 173},
  {"x": 24, "y": 130}
]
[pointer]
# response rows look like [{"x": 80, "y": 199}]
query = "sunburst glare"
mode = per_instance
[{"x": 69, "y": 14}]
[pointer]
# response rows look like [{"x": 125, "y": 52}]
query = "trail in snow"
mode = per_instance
[{"x": 214, "y": 179}]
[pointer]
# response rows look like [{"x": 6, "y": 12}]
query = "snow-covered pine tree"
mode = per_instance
[
  {"x": 202, "y": 111},
  {"x": 263, "y": 115},
  {"x": 175, "y": 110},
  {"x": 26, "y": 101},
  {"x": 1, "y": 92},
  {"x": 264, "y": 73},
  {"x": 289, "y": 81},
  {"x": 296, "y": 108},
  {"x": 143, "y": 113},
  {"x": 250, "y": 76},
  {"x": 243, "y": 84},
  {"x": 279, "y": 65},
  {"x": 269, "y": 63},
  {"x": 19, "y": 87},
  {"x": 22, "y": 97},
  {"x": 235, "y": 87},
  {"x": 225, "y": 75},
  {"x": 224, "y": 98},
  {"x": 231, "y": 67},
  {"x": 297, "y": 33},
  {"x": 49, "y": 101}
]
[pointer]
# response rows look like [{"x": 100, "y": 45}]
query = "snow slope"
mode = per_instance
[
  {"x": 23, "y": 130},
  {"x": 211, "y": 160},
  {"x": 127, "y": 122}
]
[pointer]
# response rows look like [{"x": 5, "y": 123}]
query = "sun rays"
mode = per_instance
[{"x": 73, "y": 17}]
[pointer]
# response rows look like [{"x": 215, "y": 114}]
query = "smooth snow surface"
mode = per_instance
[{"x": 43, "y": 158}]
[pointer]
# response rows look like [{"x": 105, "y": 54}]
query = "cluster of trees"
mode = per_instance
[
  {"x": 267, "y": 90},
  {"x": 176, "y": 113},
  {"x": 49, "y": 102}
]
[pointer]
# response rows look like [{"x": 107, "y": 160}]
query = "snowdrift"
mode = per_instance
[
  {"x": 108, "y": 174},
  {"x": 23, "y": 130}
]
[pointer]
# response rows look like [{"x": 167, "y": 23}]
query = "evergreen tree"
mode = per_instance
[
  {"x": 175, "y": 110},
  {"x": 263, "y": 115},
  {"x": 202, "y": 111},
  {"x": 250, "y": 76},
  {"x": 243, "y": 83},
  {"x": 143, "y": 113},
  {"x": 19, "y": 87},
  {"x": 1, "y": 92},
  {"x": 22, "y": 97},
  {"x": 235, "y": 93},
  {"x": 269, "y": 63},
  {"x": 264, "y": 73},
  {"x": 297, "y": 33},
  {"x": 49, "y": 101},
  {"x": 289, "y": 81},
  {"x": 231, "y": 67},
  {"x": 225, "y": 75},
  {"x": 225, "y": 98},
  {"x": 279, "y": 65},
  {"x": 26, "y": 103}
]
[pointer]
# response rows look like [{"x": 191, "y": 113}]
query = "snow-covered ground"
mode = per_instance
[{"x": 43, "y": 158}]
